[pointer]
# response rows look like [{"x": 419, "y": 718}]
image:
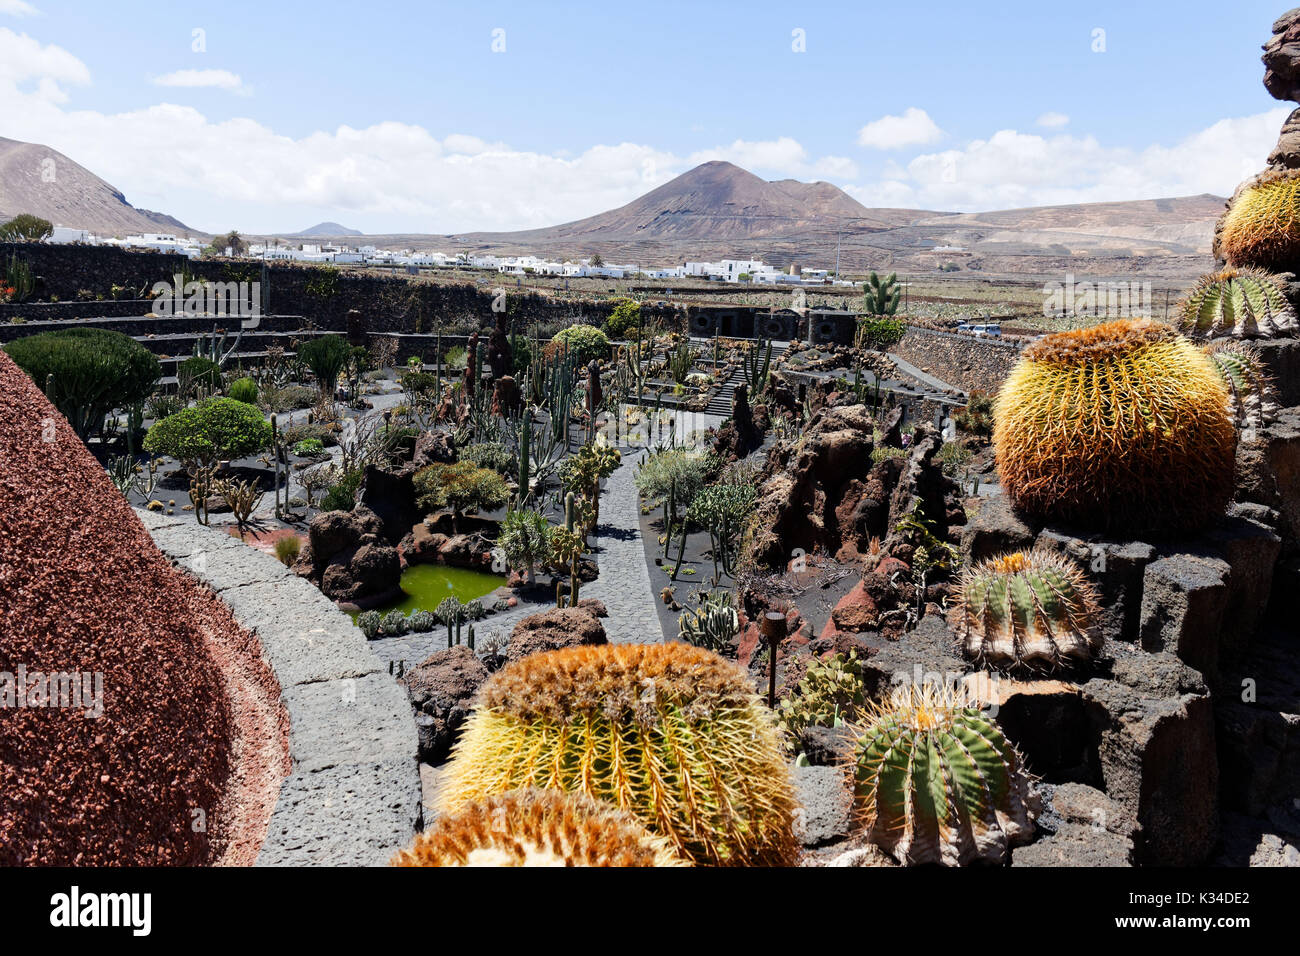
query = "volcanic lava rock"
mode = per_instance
[
  {"x": 442, "y": 689},
  {"x": 554, "y": 629}
]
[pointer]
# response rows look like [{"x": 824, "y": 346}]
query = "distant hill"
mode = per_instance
[
  {"x": 324, "y": 230},
  {"x": 44, "y": 182}
]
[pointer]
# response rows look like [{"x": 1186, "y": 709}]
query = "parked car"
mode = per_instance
[{"x": 991, "y": 331}]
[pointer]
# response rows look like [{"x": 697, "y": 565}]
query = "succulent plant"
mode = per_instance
[
  {"x": 831, "y": 693},
  {"x": 935, "y": 781},
  {"x": 713, "y": 624},
  {"x": 1252, "y": 396},
  {"x": 1262, "y": 225},
  {"x": 1033, "y": 609},
  {"x": 1243, "y": 303},
  {"x": 537, "y": 828},
  {"x": 370, "y": 622},
  {"x": 1124, "y": 425},
  {"x": 393, "y": 624},
  {"x": 421, "y": 622},
  {"x": 669, "y": 732}
]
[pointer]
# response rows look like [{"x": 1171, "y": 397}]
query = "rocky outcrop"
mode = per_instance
[
  {"x": 555, "y": 629},
  {"x": 442, "y": 689},
  {"x": 347, "y": 556}
]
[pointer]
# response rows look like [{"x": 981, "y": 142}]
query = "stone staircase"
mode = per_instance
[{"x": 721, "y": 401}]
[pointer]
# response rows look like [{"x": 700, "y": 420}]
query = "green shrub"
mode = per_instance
[
  {"x": 624, "y": 321},
  {"x": 87, "y": 373},
  {"x": 461, "y": 487},
  {"x": 496, "y": 457},
  {"x": 308, "y": 446},
  {"x": 214, "y": 430},
  {"x": 326, "y": 357},
  {"x": 198, "y": 372},
  {"x": 287, "y": 398},
  {"x": 343, "y": 496},
  {"x": 307, "y": 431},
  {"x": 977, "y": 419},
  {"x": 953, "y": 458},
  {"x": 880, "y": 334},
  {"x": 583, "y": 342},
  {"x": 243, "y": 390}
]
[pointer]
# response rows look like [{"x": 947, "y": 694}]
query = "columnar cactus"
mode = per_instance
[
  {"x": 712, "y": 625},
  {"x": 537, "y": 828},
  {"x": 1242, "y": 303},
  {"x": 936, "y": 782},
  {"x": 669, "y": 732},
  {"x": 1122, "y": 426},
  {"x": 1035, "y": 610},
  {"x": 1262, "y": 225}
]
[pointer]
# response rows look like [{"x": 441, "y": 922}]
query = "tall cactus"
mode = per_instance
[
  {"x": 757, "y": 367},
  {"x": 671, "y": 733},
  {"x": 537, "y": 828},
  {"x": 1032, "y": 609},
  {"x": 880, "y": 296},
  {"x": 712, "y": 625},
  {"x": 936, "y": 782}
]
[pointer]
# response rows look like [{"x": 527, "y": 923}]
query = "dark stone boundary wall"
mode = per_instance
[
  {"x": 387, "y": 303},
  {"x": 352, "y": 796},
  {"x": 963, "y": 361}
]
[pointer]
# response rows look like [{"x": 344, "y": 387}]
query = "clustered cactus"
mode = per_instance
[
  {"x": 669, "y": 732},
  {"x": 1035, "y": 610},
  {"x": 936, "y": 782},
  {"x": 1122, "y": 426},
  {"x": 1242, "y": 303},
  {"x": 537, "y": 828},
  {"x": 1262, "y": 225},
  {"x": 713, "y": 624},
  {"x": 1252, "y": 397}
]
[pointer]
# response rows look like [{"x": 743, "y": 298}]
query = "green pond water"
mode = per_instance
[{"x": 426, "y": 585}]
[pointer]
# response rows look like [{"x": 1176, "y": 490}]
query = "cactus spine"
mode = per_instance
[
  {"x": 1262, "y": 225},
  {"x": 1242, "y": 303},
  {"x": 1123, "y": 425},
  {"x": 537, "y": 828},
  {"x": 936, "y": 782},
  {"x": 669, "y": 732},
  {"x": 1034, "y": 609},
  {"x": 1252, "y": 396}
]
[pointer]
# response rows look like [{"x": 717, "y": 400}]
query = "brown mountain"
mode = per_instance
[{"x": 44, "y": 182}]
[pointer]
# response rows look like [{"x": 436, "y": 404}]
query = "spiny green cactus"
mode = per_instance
[
  {"x": 936, "y": 782},
  {"x": 757, "y": 367},
  {"x": 712, "y": 625},
  {"x": 1242, "y": 303},
  {"x": 1252, "y": 397},
  {"x": 1034, "y": 610},
  {"x": 671, "y": 733},
  {"x": 880, "y": 296}
]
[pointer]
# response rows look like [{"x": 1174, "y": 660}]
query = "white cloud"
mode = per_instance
[
  {"x": 203, "y": 79},
  {"x": 784, "y": 156},
  {"x": 1011, "y": 169},
  {"x": 1053, "y": 120},
  {"x": 913, "y": 128},
  {"x": 18, "y": 8},
  {"x": 25, "y": 61}
]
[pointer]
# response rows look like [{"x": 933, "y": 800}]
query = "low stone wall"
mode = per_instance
[
  {"x": 352, "y": 796},
  {"x": 971, "y": 364}
]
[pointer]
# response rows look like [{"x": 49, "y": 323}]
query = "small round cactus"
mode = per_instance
[
  {"x": 1035, "y": 610},
  {"x": 671, "y": 733},
  {"x": 1252, "y": 393},
  {"x": 1242, "y": 303},
  {"x": 935, "y": 781},
  {"x": 537, "y": 828}
]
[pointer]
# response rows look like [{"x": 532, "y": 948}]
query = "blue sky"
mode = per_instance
[{"x": 401, "y": 117}]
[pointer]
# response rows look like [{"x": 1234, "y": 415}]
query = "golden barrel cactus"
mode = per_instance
[
  {"x": 1262, "y": 225},
  {"x": 935, "y": 781},
  {"x": 1124, "y": 426},
  {"x": 671, "y": 733},
  {"x": 537, "y": 828},
  {"x": 1027, "y": 609}
]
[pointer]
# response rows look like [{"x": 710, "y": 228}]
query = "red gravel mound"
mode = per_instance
[{"x": 83, "y": 591}]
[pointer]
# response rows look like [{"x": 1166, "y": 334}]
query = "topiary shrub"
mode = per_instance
[
  {"x": 936, "y": 782},
  {"x": 1035, "y": 610},
  {"x": 671, "y": 733},
  {"x": 1124, "y": 426},
  {"x": 537, "y": 828},
  {"x": 243, "y": 390},
  {"x": 214, "y": 430},
  {"x": 86, "y": 373},
  {"x": 1243, "y": 303},
  {"x": 583, "y": 342}
]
